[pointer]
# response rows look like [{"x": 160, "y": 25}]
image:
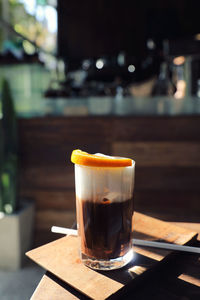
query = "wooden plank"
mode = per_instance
[
  {"x": 190, "y": 226},
  {"x": 147, "y": 178},
  {"x": 53, "y": 287},
  {"x": 45, "y": 219},
  {"x": 49, "y": 176},
  {"x": 190, "y": 279},
  {"x": 71, "y": 270},
  {"x": 179, "y": 204},
  {"x": 170, "y": 154},
  {"x": 156, "y": 128},
  {"x": 169, "y": 217},
  {"x": 188, "y": 282},
  {"x": 42, "y": 154},
  {"x": 61, "y": 130},
  {"x": 49, "y": 289},
  {"x": 167, "y": 178},
  {"x": 127, "y": 128},
  {"x": 51, "y": 198},
  {"x": 61, "y": 258},
  {"x": 157, "y": 229}
]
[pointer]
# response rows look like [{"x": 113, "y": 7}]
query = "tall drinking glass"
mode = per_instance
[{"x": 104, "y": 206}]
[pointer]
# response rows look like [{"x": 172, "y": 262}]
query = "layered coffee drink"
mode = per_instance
[
  {"x": 105, "y": 228},
  {"x": 104, "y": 204}
]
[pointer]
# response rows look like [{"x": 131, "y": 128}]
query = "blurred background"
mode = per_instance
[{"x": 121, "y": 78}]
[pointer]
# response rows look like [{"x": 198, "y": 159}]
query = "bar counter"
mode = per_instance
[
  {"x": 161, "y": 134},
  {"x": 37, "y": 106}
]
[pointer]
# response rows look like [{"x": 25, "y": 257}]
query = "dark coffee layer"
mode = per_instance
[{"x": 105, "y": 228}]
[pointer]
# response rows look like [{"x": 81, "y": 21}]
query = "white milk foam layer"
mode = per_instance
[{"x": 96, "y": 183}]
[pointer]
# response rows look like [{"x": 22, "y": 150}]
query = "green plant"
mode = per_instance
[
  {"x": 1, "y": 159},
  {"x": 8, "y": 152}
]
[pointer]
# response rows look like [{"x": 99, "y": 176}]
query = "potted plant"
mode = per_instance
[{"x": 16, "y": 217}]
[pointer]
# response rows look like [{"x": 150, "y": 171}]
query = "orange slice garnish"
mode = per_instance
[{"x": 83, "y": 158}]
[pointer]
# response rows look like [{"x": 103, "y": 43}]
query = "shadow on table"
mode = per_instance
[{"x": 176, "y": 277}]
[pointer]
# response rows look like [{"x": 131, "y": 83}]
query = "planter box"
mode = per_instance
[{"x": 16, "y": 235}]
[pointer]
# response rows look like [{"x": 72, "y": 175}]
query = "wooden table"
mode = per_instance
[{"x": 179, "y": 279}]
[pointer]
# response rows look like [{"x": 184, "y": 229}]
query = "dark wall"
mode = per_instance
[
  {"x": 92, "y": 28},
  {"x": 95, "y": 28}
]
